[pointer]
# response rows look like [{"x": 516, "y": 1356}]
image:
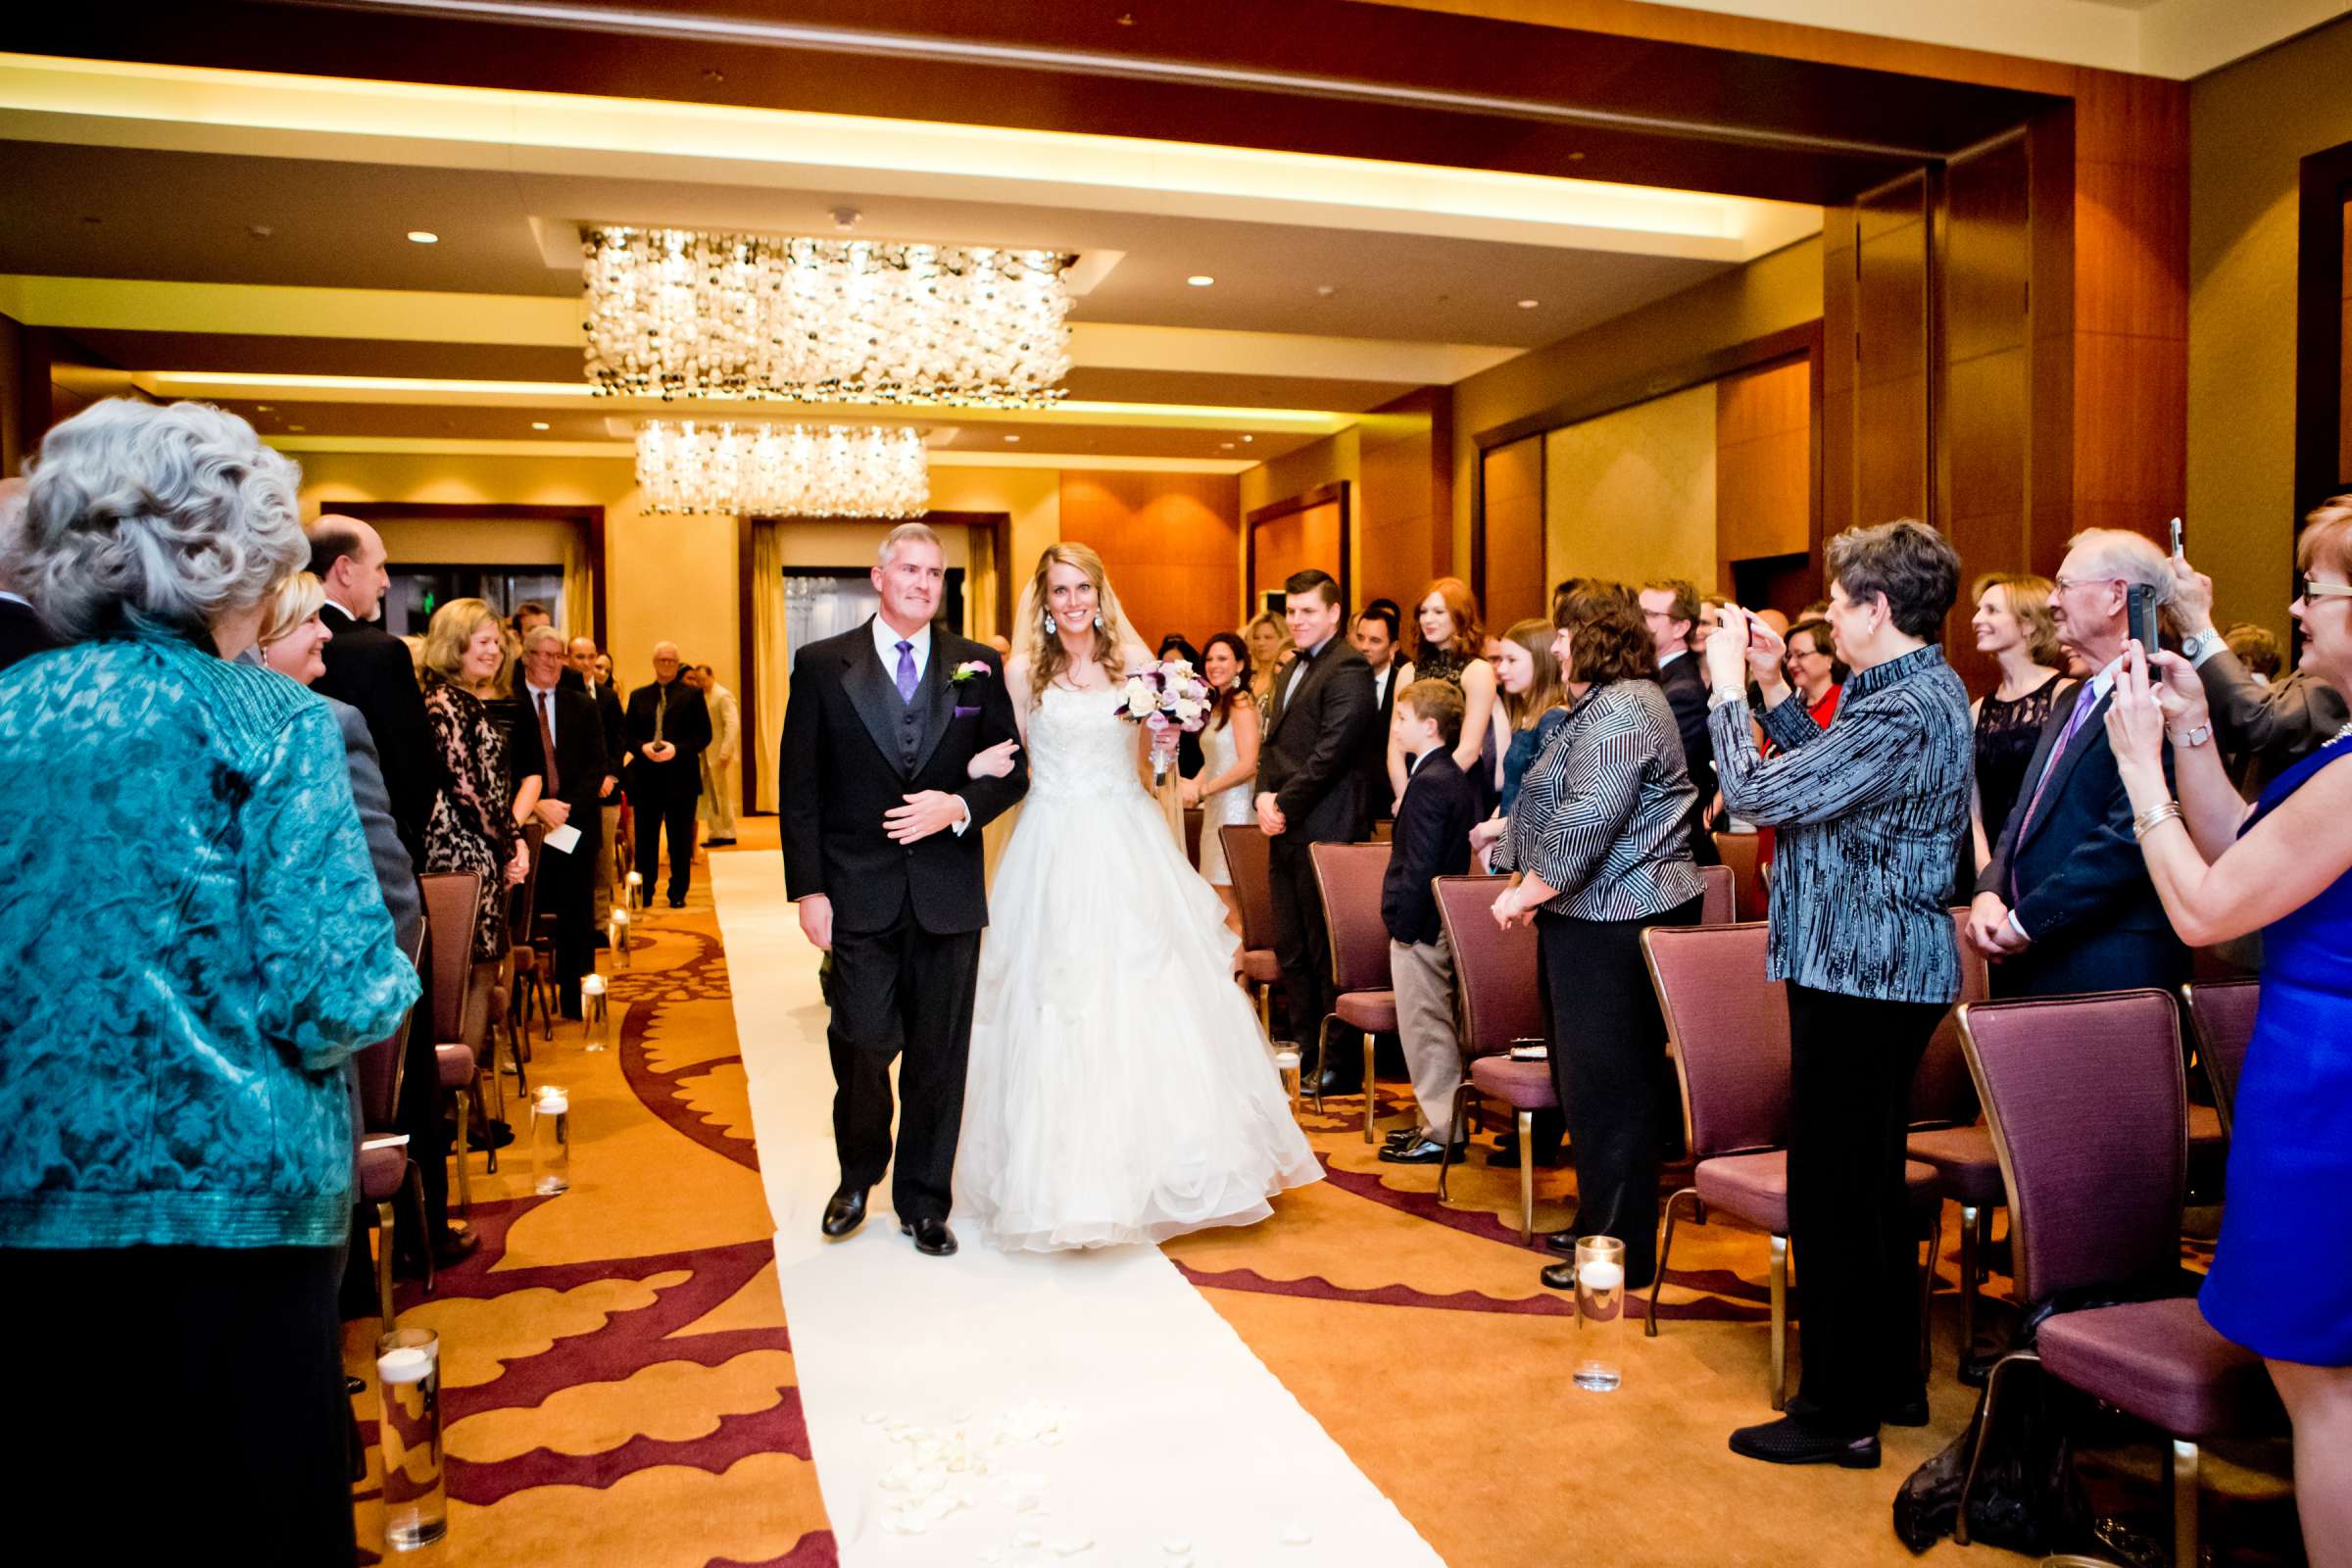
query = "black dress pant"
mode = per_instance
[
  {"x": 902, "y": 989},
  {"x": 567, "y": 891},
  {"x": 1856, "y": 1250},
  {"x": 422, "y": 1114},
  {"x": 670, "y": 814},
  {"x": 180, "y": 1392},
  {"x": 1301, "y": 943},
  {"x": 1609, "y": 1069}
]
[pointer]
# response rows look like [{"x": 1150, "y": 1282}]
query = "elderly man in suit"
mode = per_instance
[
  {"x": 668, "y": 728},
  {"x": 1310, "y": 790},
  {"x": 2064, "y": 904},
  {"x": 575, "y": 781},
  {"x": 369, "y": 669}
]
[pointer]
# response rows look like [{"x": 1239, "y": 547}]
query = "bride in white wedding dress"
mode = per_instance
[{"x": 1120, "y": 1088}]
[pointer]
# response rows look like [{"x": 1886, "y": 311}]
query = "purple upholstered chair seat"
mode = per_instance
[
  {"x": 1373, "y": 1012},
  {"x": 1520, "y": 1084},
  {"x": 457, "y": 1063},
  {"x": 383, "y": 1166},
  {"x": 1754, "y": 1187},
  {"x": 2163, "y": 1362},
  {"x": 1259, "y": 966},
  {"x": 1964, "y": 1158}
]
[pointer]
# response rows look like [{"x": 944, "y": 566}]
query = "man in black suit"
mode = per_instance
[
  {"x": 667, "y": 729},
  {"x": 583, "y": 655},
  {"x": 1373, "y": 635},
  {"x": 369, "y": 669},
  {"x": 2064, "y": 904},
  {"x": 1670, "y": 610},
  {"x": 575, "y": 782},
  {"x": 532, "y": 615},
  {"x": 880, "y": 822},
  {"x": 1310, "y": 790}
]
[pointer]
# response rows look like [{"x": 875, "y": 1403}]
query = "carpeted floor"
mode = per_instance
[{"x": 621, "y": 1388}]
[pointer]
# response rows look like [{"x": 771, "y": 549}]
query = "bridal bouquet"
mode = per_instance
[{"x": 1165, "y": 698}]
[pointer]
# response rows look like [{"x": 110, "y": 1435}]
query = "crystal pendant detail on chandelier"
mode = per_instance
[
  {"x": 783, "y": 470},
  {"x": 678, "y": 313}
]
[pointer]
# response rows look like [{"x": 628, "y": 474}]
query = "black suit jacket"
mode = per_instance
[
  {"x": 1441, "y": 804},
  {"x": 369, "y": 669},
  {"x": 1311, "y": 753},
  {"x": 1375, "y": 753},
  {"x": 614, "y": 725},
  {"x": 580, "y": 760},
  {"x": 686, "y": 725},
  {"x": 1684, "y": 684},
  {"x": 853, "y": 751},
  {"x": 2075, "y": 878},
  {"x": 21, "y": 632}
]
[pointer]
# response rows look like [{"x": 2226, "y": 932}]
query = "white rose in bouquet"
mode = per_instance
[
  {"x": 1187, "y": 710},
  {"x": 1140, "y": 701}
]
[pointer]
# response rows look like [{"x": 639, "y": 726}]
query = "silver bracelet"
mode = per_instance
[{"x": 2155, "y": 816}]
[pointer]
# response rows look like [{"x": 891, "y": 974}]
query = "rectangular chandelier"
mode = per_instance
[
  {"x": 783, "y": 470},
  {"x": 675, "y": 313}
]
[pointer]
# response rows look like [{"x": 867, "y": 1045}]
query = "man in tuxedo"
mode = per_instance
[
  {"x": 577, "y": 780},
  {"x": 881, "y": 822},
  {"x": 1670, "y": 610},
  {"x": 369, "y": 669},
  {"x": 2064, "y": 904},
  {"x": 1373, "y": 635},
  {"x": 21, "y": 630},
  {"x": 613, "y": 723},
  {"x": 667, "y": 729},
  {"x": 1310, "y": 790}
]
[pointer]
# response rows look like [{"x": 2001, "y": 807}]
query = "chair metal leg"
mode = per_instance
[
  {"x": 1322, "y": 1045},
  {"x": 1971, "y": 1258},
  {"x": 1926, "y": 1291},
  {"x": 412, "y": 1181},
  {"x": 464, "y": 1162},
  {"x": 2185, "y": 1467},
  {"x": 547, "y": 1006},
  {"x": 1527, "y": 1177},
  {"x": 1453, "y": 1134},
  {"x": 522, "y": 1081},
  {"x": 1371, "y": 1090},
  {"x": 384, "y": 1265},
  {"x": 1780, "y": 1322},
  {"x": 1976, "y": 1454},
  {"x": 1650, "y": 1328}
]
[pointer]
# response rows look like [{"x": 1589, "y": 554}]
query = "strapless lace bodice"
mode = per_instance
[{"x": 1080, "y": 748}]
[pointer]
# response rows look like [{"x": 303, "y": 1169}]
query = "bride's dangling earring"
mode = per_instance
[
  {"x": 1097, "y": 621},
  {"x": 1046, "y": 620}
]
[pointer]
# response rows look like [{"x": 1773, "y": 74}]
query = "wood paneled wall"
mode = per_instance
[
  {"x": 1403, "y": 520},
  {"x": 1763, "y": 464},
  {"x": 1171, "y": 543},
  {"x": 1290, "y": 539},
  {"x": 1512, "y": 538}
]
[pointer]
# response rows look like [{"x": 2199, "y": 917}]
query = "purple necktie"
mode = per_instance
[
  {"x": 906, "y": 677},
  {"x": 2082, "y": 706}
]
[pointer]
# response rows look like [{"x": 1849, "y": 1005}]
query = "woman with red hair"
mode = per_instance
[{"x": 1447, "y": 644}]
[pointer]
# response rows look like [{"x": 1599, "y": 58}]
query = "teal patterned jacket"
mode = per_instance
[{"x": 191, "y": 944}]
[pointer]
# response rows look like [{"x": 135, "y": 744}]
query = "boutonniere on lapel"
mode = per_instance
[{"x": 971, "y": 669}]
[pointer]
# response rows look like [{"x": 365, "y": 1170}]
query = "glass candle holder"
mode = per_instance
[
  {"x": 635, "y": 882},
  {"x": 1599, "y": 1313},
  {"x": 595, "y": 1021},
  {"x": 551, "y": 1141},
  {"x": 408, "y": 1374},
  {"x": 616, "y": 933}
]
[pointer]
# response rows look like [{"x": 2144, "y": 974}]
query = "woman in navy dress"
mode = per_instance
[{"x": 2281, "y": 1279}]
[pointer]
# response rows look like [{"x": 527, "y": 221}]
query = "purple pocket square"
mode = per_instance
[{"x": 967, "y": 712}]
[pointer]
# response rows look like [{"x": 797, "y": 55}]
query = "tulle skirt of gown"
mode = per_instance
[{"x": 1120, "y": 1088}]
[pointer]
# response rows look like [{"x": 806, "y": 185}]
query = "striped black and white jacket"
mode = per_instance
[
  {"x": 1867, "y": 812},
  {"x": 1602, "y": 815}
]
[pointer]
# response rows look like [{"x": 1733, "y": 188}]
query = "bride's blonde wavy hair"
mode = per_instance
[{"x": 1047, "y": 659}]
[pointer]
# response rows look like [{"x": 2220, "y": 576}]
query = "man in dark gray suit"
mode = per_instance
[{"x": 1310, "y": 790}]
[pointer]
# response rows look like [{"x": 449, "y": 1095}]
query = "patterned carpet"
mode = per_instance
[{"x": 621, "y": 1391}]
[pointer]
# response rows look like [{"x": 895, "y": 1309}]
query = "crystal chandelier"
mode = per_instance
[
  {"x": 783, "y": 470},
  {"x": 677, "y": 312}
]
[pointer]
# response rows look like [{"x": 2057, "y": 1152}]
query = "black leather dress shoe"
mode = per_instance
[
  {"x": 844, "y": 1211},
  {"x": 454, "y": 1246},
  {"x": 1419, "y": 1151},
  {"x": 677, "y": 900},
  {"x": 1562, "y": 1243},
  {"x": 932, "y": 1238},
  {"x": 1792, "y": 1440},
  {"x": 1909, "y": 1413},
  {"x": 1336, "y": 1082}
]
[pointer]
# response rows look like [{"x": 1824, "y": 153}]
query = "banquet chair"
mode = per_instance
[
  {"x": 1494, "y": 977},
  {"x": 385, "y": 1170},
  {"x": 2222, "y": 1012},
  {"x": 1727, "y": 1030},
  {"x": 1743, "y": 852},
  {"x": 1947, "y": 1132},
  {"x": 1718, "y": 896},
  {"x": 530, "y": 965},
  {"x": 2088, "y": 1103},
  {"x": 1348, "y": 878},
  {"x": 1246, "y": 861},
  {"x": 461, "y": 1025}
]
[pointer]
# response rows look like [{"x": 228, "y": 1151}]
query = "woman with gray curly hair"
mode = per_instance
[{"x": 187, "y": 971}]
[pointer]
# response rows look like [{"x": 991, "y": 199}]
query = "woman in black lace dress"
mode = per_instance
[
  {"x": 2013, "y": 626},
  {"x": 472, "y": 823}
]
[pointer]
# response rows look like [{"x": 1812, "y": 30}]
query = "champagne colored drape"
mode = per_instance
[
  {"x": 772, "y": 662},
  {"x": 580, "y": 590}
]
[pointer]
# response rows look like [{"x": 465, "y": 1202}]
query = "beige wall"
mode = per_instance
[
  {"x": 1631, "y": 495},
  {"x": 493, "y": 542},
  {"x": 1330, "y": 461},
  {"x": 2250, "y": 125},
  {"x": 1768, "y": 294}
]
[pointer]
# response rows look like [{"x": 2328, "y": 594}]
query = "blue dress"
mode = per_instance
[
  {"x": 1525, "y": 746},
  {"x": 2282, "y": 1280}
]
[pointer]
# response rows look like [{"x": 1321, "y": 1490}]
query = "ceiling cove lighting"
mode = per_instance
[
  {"x": 423, "y": 236},
  {"x": 790, "y": 470},
  {"x": 1200, "y": 280},
  {"x": 678, "y": 313}
]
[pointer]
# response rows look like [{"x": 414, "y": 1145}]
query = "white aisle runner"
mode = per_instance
[{"x": 1170, "y": 1431}]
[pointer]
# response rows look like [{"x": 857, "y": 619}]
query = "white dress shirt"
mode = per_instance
[{"x": 543, "y": 701}]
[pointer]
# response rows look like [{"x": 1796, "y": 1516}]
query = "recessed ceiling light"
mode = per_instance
[
  {"x": 297, "y": 429},
  {"x": 260, "y": 230},
  {"x": 264, "y": 408},
  {"x": 423, "y": 236},
  {"x": 1224, "y": 446},
  {"x": 1199, "y": 280},
  {"x": 1013, "y": 438},
  {"x": 538, "y": 424},
  {"x": 1248, "y": 438},
  {"x": 1529, "y": 305},
  {"x": 1326, "y": 290}
]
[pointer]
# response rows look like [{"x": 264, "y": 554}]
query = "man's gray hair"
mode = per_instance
[
  {"x": 174, "y": 514},
  {"x": 545, "y": 633},
  {"x": 907, "y": 533},
  {"x": 2110, "y": 554}
]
